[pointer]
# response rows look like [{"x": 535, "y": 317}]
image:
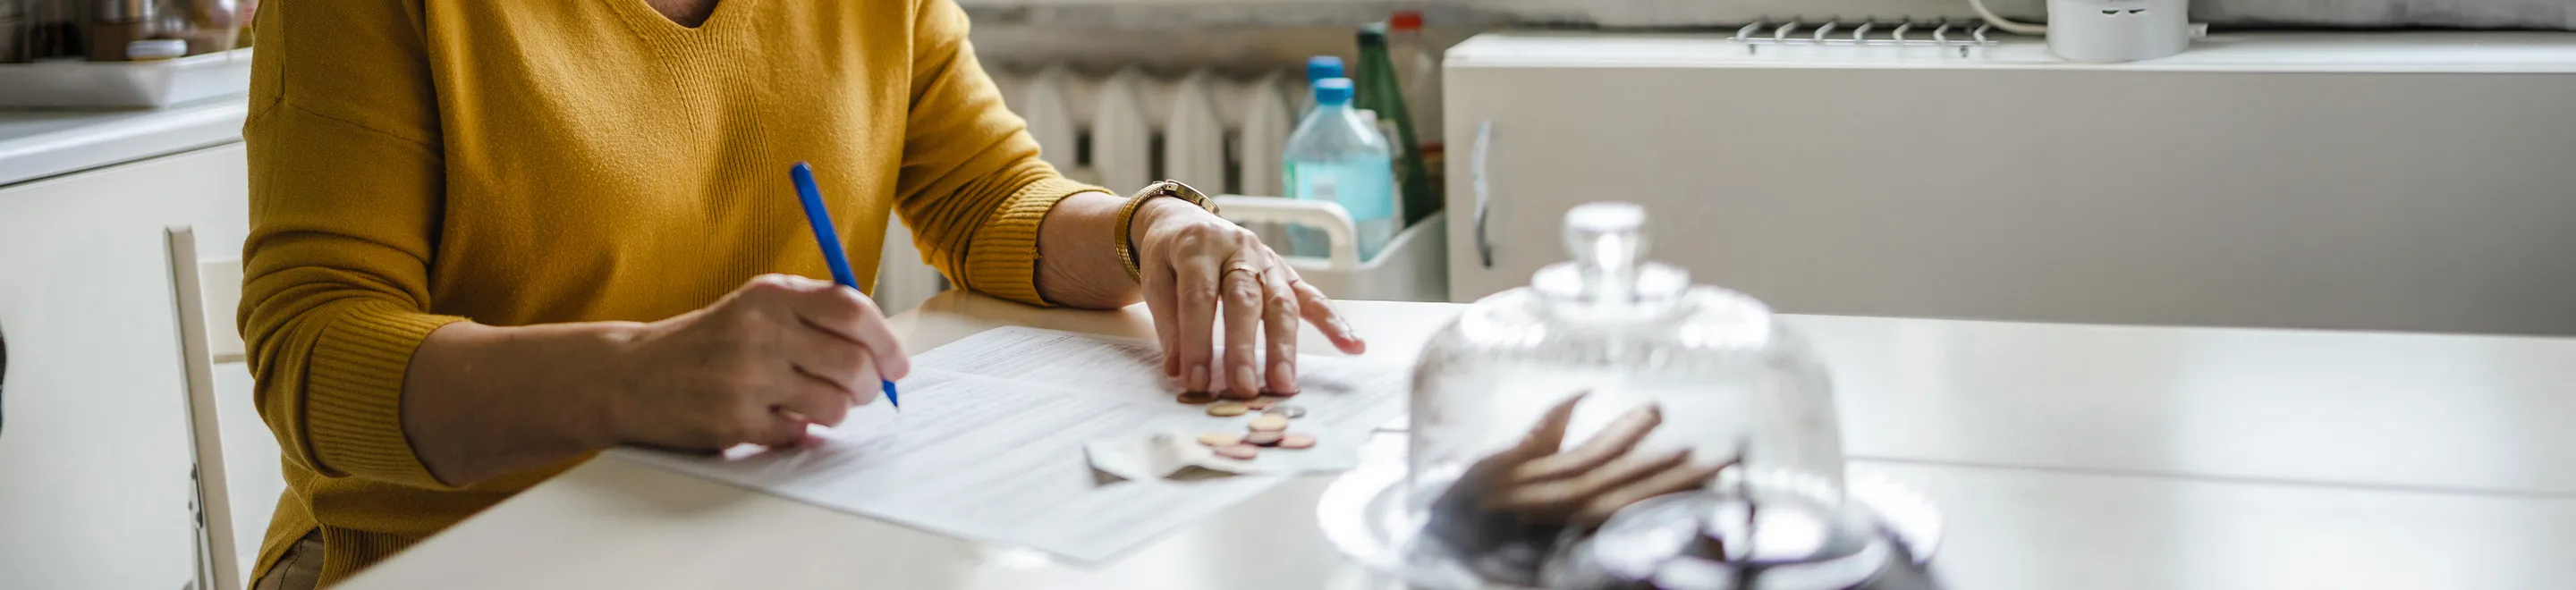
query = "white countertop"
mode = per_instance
[
  {"x": 37, "y": 144},
  {"x": 2549, "y": 52},
  {"x": 2061, "y": 456}
]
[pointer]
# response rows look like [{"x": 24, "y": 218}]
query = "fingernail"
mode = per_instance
[
  {"x": 1343, "y": 327},
  {"x": 1286, "y": 372},
  {"x": 1198, "y": 378},
  {"x": 1244, "y": 380}
]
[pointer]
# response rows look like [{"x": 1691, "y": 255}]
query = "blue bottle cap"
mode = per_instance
[
  {"x": 1321, "y": 67},
  {"x": 1331, "y": 91}
]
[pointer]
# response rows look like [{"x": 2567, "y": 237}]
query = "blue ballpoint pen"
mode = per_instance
[{"x": 821, "y": 219}]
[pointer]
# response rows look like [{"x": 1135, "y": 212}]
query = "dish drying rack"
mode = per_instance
[{"x": 1414, "y": 265}]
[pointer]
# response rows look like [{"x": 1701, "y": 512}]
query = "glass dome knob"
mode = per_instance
[
  {"x": 1609, "y": 274},
  {"x": 1606, "y": 238}
]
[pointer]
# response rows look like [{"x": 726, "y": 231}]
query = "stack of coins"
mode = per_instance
[
  {"x": 1270, "y": 429},
  {"x": 1267, "y": 403},
  {"x": 1203, "y": 397}
]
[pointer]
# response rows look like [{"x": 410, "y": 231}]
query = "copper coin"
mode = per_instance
[
  {"x": 1220, "y": 439},
  {"x": 1227, "y": 409},
  {"x": 1261, "y": 403},
  {"x": 1195, "y": 397},
  {"x": 1285, "y": 410},
  {"x": 1264, "y": 438},
  {"x": 1243, "y": 452},
  {"x": 1269, "y": 423},
  {"x": 1296, "y": 440}
]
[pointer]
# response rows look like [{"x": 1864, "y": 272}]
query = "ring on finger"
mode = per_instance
[{"x": 1231, "y": 268}]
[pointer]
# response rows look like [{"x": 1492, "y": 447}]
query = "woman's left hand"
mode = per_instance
[{"x": 1200, "y": 270}]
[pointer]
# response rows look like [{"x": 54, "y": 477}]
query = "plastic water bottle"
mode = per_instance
[
  {"x": 1335, "y": 155},
  {"x": 1321, "y": 67},
  {"x": 1318, "y": 68}
]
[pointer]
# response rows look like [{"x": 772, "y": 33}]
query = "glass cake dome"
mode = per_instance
[{"x": 1545, "y": 411}]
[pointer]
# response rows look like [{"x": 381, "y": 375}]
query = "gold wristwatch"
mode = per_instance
[{"x": 1127, "y": 215}]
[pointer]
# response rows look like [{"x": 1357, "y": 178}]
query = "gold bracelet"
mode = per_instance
[
  {"x": 1127, "y": 216},
  {"x": 1126, "y": 253}
]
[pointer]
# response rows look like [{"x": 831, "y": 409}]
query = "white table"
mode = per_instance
[{"x": 2062, "y": 457}]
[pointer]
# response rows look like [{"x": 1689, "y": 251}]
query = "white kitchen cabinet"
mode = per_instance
[
  {"x": 95, "y": 461},
  {"x": 2400, "y": 181}
]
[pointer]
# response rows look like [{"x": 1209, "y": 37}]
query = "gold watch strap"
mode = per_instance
[{"x": 1127, "y": 217}]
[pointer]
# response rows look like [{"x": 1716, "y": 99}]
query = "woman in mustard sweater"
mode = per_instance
[{"x": 491, "y": 238}]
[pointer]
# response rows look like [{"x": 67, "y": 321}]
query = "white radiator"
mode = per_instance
[{"x": 1221, "y": 134}]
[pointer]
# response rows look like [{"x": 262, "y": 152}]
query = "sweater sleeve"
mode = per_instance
[
  {"x": 346, "y": 191},
  {"x": 971, "y": 187}
]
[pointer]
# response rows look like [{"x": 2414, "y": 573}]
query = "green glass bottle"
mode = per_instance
[{"x": 1379, "y": 92}]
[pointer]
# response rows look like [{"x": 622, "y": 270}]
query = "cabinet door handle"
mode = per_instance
[
  {"x": 4, "y": 379},
  {"x": 1484, "y": 195}
]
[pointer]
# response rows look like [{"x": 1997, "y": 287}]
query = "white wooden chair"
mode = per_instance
[
  {"x": 903, "y": 280},
  {"x": 238, "y": 473}
]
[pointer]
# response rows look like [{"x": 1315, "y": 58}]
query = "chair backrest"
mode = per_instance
[
  {"x": 238, "y": 479},
  {"x": 903, "y": 280}
]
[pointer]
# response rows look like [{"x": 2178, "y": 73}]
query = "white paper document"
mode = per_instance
[{"x": 989, "y": 443}]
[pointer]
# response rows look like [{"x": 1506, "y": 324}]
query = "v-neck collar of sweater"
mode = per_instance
[{"x": 651, "y": 23}]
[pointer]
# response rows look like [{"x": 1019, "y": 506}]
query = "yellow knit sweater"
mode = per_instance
[{"x": 414, "y": 163}]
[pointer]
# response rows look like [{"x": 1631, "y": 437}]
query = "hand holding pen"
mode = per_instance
[{"x": 778, "y": 353}]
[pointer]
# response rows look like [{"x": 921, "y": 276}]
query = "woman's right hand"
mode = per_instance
[{"x": 776, "y": 354}]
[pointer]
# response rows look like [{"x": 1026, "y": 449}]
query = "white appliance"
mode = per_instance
[
  {"x": 2384, "y": 180},
  {"x": 2108, "y": 30},
  {"x": 2118, "y": 30}
]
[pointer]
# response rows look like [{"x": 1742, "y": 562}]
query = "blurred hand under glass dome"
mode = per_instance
[{"x": 1612, "y": 425}]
